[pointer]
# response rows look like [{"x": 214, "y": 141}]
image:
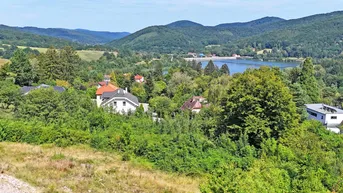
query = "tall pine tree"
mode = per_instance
[
  {"x": 199, "y": 67},
  {"x": 20, "y": 65},
  {"x": 225, "y": 69},
  {"x": 308, "y": 81},
  {"x": 210, "y": 68}
]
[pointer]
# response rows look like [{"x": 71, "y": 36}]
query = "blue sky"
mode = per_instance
[{"x": 133, "y": 15}]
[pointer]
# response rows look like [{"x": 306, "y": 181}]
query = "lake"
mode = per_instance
[{"x": 239, "y": 66}]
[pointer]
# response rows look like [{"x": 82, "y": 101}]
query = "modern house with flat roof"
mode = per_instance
[{"x": 329, "y": 116}]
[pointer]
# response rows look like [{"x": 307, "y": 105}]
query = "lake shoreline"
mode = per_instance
[{"x": 212, "y": 58}]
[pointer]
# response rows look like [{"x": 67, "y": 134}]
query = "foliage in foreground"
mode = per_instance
[{"x": 250, "y": 131}]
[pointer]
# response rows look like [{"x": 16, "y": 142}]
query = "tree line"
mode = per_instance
[{"x": 253, "y": 137}]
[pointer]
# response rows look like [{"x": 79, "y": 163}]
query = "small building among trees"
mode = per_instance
[{"x": 329, "y": 116}]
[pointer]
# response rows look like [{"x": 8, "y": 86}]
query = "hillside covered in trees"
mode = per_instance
[
  {"x": 77, "y": 35},
  {"x": 253, "y": 136},
  {"x": 317, "y": 36},
  {"x": 13, "y": 36}
]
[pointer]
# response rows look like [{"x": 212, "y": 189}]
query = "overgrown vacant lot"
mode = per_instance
[{"x": 82, "y": 169}]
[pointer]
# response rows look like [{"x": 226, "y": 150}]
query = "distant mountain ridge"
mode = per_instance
[
  {"x": 185, "y": 35},
  {"x": 323, "y": 30},
  {"x": 264, "y": 20},
  {"x": 184, "y": 23},
  {"x": 78, "y": 35},
  {"x": 14, "y": 36}
]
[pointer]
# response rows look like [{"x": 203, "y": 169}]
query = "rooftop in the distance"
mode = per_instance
[{"x": 324, "y": 109}]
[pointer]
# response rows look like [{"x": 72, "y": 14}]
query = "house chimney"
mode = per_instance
[
  {"x": 107, "y": 79},
  {"x": 125, "y": 90}
]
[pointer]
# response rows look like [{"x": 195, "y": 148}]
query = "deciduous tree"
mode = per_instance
[{"x": 258, "y": 104}]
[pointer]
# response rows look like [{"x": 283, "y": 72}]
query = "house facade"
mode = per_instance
[
  {"x": 329, "y": 116},
  {"x": 107, "y": 87},
  {"x": 139, "y": 78},
  {"x": 119, "y": 101},
  {"x": 195, "y": 104}
]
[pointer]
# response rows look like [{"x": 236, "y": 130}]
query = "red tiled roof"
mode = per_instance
[
  {"x": 106, "y": 88},
  {"x": 192, "y": 103},
  {"x": 103, "y": 83},
  {"x": 138, "y": 77}
]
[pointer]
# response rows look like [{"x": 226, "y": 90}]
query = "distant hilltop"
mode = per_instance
[
  {"x": 293, "y": 38},
  {"x": 315, "y": 36}
]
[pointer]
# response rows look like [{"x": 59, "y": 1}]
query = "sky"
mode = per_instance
[{"x": 133, "y": 15}]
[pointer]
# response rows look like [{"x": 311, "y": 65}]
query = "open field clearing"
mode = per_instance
[
  {"x": 90, "y": 55},
  {"x": 42, "y": 50},
  {"x": 82, "y": 169},
  {"x": 87, "y": 55},
  {"x": 3, "y": 61},
  {"x": 262, "y": 51}
]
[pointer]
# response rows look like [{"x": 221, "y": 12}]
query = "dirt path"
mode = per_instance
[{"x": 9, "y": 184}]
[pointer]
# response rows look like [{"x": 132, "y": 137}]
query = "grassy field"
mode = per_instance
[
  {"x": 3, "y": 61},
  {"x": 82, "y": 169},
  {"x": 262, "y": 51},
  {"x": 87, "y": 55},
  {"x": 90, "y": 55}
]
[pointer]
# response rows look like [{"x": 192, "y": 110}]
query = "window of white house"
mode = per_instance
[
  {"x": 124, "y": 103},
  {"x": 114, "y": 103},
  {"x": 313, "y": 114},
  {"x": 333, "y": 117}
]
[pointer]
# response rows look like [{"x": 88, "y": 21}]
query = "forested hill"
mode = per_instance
[
  {"x": 265, "y": 20},
  {"x": 318, "y": 30},
  {"x": 78, "y": 35},
  {"x": 166, "y": 39},
  {"x": 13, "y": 36},
  {"x": 184, "y": 23},
  {"x": 316, "y": 36}
]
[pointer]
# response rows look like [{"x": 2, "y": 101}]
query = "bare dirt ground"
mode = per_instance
[{"x": 9, "y": 184}]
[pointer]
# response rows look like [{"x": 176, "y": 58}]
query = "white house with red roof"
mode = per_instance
[
  {"x": 115, "y": 99},
  {"x": 139, "y": 78},
  {"x": 195, "y": 104}
]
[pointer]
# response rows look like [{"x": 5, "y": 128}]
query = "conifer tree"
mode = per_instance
[
  {"x": 210, "y": 68},
  {"x": 199, "y": 67},
  {"x": 225, "y": 69},
  {"x": 20, "y": 65},
  {"x": 308, "y": 81}
]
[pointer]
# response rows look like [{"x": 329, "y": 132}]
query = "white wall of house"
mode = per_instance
[
  {"x": 325, "y": 119},
  {"x": 196, "y": 110},
  {"x": 121, "y": 105},
  {"x": 140, "y": 80},
  {"x": 98, "y": 100},
  {"x": 334, "y": 119},
  {"x": 317, "y": 116}
]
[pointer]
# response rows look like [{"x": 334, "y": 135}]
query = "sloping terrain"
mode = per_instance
[
  {"x": 13, "y": 36},
  {"x": 82, "y": 169},
  {"x": 323, "y": 31},
  {"x": 78, "y": 35}
]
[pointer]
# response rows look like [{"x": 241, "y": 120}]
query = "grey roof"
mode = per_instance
[
  {"x": 120, "y": 93},
  {"x": 324, "y": 109},
  {"x": 27, "y": 89},
  {"x": 59, "y": 89},
  {"x": 107, "y": 95}
]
